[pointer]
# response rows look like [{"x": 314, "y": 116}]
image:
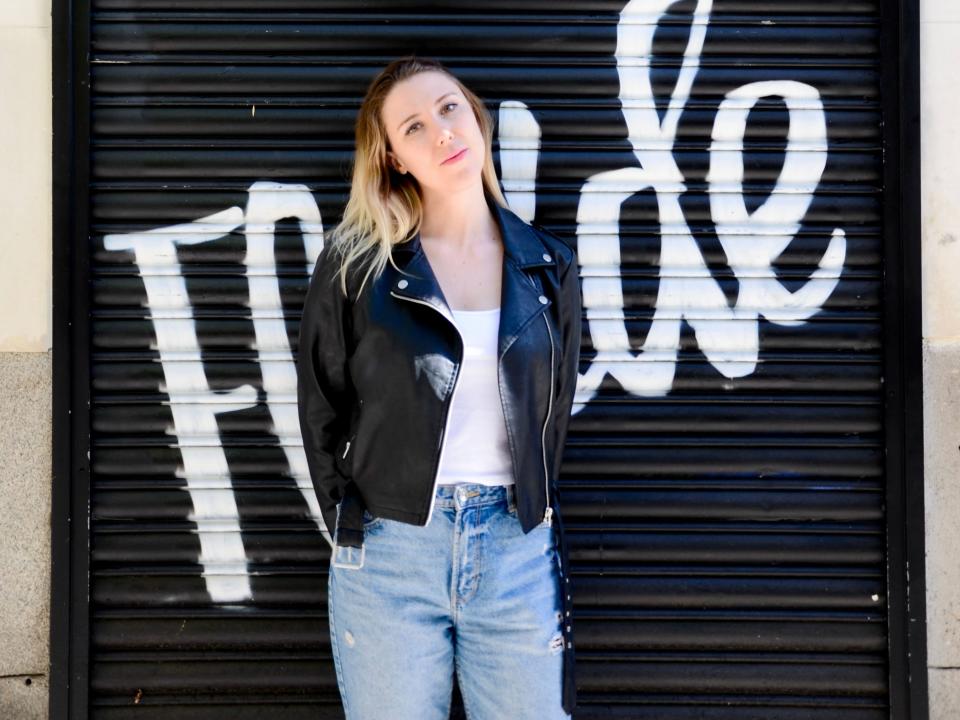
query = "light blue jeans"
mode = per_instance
[{"x": 467, "y": 593}]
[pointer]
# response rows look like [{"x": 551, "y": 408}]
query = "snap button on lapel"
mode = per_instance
[
  {"x": 546, "y": 256},
  {"x": 402, "y": 284},
  {"x": 543, "y": 299}
]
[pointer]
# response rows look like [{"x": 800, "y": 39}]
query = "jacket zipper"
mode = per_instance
[
  {"x": 443, "y": 431},
  {"x": 548, "y": 513}
]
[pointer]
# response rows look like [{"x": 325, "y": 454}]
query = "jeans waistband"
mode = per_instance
[
  {"x": 349, "y": 532},
  {"x": 470, "y": 494}
]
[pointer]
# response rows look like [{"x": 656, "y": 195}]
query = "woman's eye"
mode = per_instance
[{"x": 414, "y": 125}]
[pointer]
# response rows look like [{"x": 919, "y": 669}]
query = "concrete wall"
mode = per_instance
[
  {"x": 940, "y": 105},
  {"x": 25, "y": 358}
]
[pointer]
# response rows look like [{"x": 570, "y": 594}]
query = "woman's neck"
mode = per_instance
[{"x": 458, "y": 220}]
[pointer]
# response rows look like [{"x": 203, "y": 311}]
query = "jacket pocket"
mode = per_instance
[{"x": 344, "y": 455}]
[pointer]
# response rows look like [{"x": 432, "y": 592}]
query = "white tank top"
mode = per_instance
[{"x": 475, "y": 447}]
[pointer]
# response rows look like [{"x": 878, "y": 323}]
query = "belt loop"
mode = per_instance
[{"x": 350, "y": 519}]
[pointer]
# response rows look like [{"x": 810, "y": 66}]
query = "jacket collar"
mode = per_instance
[{"x": 520, "y": 298}]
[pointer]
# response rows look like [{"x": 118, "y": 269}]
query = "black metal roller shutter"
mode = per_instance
[{"x": 724, "y": 481}]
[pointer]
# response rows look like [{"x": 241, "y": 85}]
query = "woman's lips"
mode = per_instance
[{"x": 455, "y": 157}]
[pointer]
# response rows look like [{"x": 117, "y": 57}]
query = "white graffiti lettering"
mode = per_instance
[{"x": 728, "y": 336}]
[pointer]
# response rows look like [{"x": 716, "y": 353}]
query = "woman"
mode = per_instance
[{"x": 434, "y": 396}]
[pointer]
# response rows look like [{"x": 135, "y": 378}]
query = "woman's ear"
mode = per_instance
[{"x": 397, "y": 165}]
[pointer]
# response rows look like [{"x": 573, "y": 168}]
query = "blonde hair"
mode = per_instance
[{"x": 385, "y": 208}]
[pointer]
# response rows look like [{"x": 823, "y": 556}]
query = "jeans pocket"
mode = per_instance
[
  {"x": 370, "y": 521},
  {"x": 512, "y": 512}
]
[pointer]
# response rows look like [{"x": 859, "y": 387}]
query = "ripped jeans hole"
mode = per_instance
[{"x": 556, "y": 643}]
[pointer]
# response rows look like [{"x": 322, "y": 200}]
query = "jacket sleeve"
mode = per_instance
[
  {"x": 570, "y": 313},
  {"x": 323, "y": 384}
]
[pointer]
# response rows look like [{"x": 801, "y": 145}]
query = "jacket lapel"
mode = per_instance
[
  {"x": 419, "y": 283},
  {"x": 520, "y": 299}
]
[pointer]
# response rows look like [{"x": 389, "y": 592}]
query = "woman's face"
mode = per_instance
[{"x": 428, "y": 120}]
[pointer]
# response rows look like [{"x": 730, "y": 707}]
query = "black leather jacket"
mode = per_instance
[{"x": 376, "y": 374}]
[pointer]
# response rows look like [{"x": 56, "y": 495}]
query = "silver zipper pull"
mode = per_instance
[
  {"x": 548, "y": 514},
  {"x": 346, "y": 450}
]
